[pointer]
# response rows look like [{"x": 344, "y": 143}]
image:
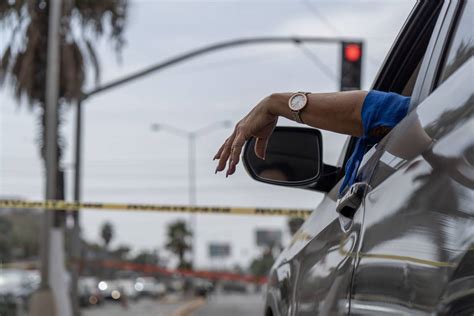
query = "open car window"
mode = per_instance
[{"x": 402, "y": 69}]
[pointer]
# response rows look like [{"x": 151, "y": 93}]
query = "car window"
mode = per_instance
[{"x": 461, "y": 46}]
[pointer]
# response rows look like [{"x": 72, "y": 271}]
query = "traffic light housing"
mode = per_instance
[{"x": 351, "y": 63}]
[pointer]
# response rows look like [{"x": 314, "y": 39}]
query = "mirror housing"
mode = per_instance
[{"x": 293, "y": 158}]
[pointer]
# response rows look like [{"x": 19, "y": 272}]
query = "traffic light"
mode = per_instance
[{"x": 351, "y": 62}]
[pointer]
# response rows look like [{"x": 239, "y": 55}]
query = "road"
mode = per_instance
[
  {"x": 216, "y": 305},
  {"x": 143, "y": 307},
  {"x": 232, "y": 305}
]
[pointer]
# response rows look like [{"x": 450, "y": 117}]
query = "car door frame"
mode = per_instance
[
  {"x": 388, "y": 77},
  {"x": 427, "y": 78}
]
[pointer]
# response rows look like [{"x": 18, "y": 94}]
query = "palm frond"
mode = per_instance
[
  {"x": 5, "y": 64},
  {"x": 92, "y": 56},
  {"x": 26, "y": 65},
  {"x": 23, "y": 60}
]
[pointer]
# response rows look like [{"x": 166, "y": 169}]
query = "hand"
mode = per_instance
[{"x": 259, "y": 123}]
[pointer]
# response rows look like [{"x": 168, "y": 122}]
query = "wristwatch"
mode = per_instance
[{"x": 297, "y": 103}]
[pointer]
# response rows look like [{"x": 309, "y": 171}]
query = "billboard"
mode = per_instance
[
  {"x": 219, "y": 250},
  {"x": 268, "y": 237}
]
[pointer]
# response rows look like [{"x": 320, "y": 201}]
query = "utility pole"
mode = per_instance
[
  {"x": 76, "y": 230},
  {"x": 43, "y": 302}
]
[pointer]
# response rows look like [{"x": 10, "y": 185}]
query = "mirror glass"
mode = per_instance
[{"x": 293, "y": 156}]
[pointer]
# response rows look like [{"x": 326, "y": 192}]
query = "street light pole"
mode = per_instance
[
  {"x": 192, "y": 193},
  {"x": 192, "y": 168},
  {"x": 192, "y": 185}
]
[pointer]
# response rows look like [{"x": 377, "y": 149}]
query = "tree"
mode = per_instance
[
  {"x": 23, "y": 61},
  {"x": 107, "y": 233},
  {"x": 261, "y": 266},
  {"x": 19, "y": 232},
  {"x": 5, "y": 239},
  {"x": 294, "y": 224},
  {"x": 146, "y": 257},
  {"x": 25, "y": 232},
  {"x": 120, "y": 253},
  {"x": 179, "y": 242}
]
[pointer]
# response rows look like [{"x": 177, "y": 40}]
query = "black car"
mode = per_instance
[{"x": 401, "y": 240}]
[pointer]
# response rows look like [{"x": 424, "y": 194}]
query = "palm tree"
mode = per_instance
[
  {"x": 180, "y": 242},
  {"x": 23, "y": 60},
  {"x": 294, "y": 224},
  {"x": 107, "y": 233}
]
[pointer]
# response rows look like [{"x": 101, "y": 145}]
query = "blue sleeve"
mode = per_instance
[{"x": 380, "y": 113}]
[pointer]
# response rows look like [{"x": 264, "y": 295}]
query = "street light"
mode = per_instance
[{"x": 191, "y": 136}]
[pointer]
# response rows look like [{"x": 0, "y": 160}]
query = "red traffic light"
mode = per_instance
[{"x": 352, "y": 52}]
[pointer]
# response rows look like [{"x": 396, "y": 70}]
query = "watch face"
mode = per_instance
[{"x": 297, "y": 102}]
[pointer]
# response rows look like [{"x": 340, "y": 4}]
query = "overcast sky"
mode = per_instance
[{"x": 124, "y": 161}]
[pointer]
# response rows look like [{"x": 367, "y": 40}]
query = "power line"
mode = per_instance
[
  {"x": 318, "y": 62},
  {"x": 320, "y": 16}
]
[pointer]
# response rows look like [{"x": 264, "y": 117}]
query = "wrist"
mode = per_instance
[{"x": 277, "y": 104}]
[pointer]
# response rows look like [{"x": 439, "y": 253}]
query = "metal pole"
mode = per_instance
[
  {"x": 192, "y": 191},
  {"x": 76, "y": 231},
  {"x": 43, "y": 302},
  {"x": 192, "y": 168},
  {"x": 52, "y": 93},
  {"x": 215, "y": 47}
]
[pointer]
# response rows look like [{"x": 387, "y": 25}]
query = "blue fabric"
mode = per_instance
[{"x": 381, "y": 111}]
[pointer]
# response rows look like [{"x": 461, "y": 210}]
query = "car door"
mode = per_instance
[
  {"x": 313, "y": 275},
  {"x": 418, "y": 219}
]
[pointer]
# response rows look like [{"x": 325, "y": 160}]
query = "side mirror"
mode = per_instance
[{"x": 293, "y": 157}]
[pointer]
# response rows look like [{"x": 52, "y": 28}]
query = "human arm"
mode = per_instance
[{"x": 337, "y": 112}]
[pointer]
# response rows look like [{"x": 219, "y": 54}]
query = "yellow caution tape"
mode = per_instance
[{"x": 57, "y": 205}]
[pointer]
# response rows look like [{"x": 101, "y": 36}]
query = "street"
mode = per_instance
[
  {"x": 232, "y": 305},
  {"x": 216, "y": 305},
  {"x": 143, "y": 307}
]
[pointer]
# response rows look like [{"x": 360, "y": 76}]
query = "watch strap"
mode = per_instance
[{"x": 297, "y": 117}]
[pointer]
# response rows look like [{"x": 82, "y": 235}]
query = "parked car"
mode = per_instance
[
  {"x": 202, "y": 287},
  {"x": 110, "y": 290},
  {"x": 16, "y": 288},
  {"x": 89, "y": 293},
  {"x": 150, "y": 287},
  {"x": 127, "y": 288},
  {"x": 174, "y": 285},
  {"x": 401, "y": 240},
  {"x": 234, "y": 287}
]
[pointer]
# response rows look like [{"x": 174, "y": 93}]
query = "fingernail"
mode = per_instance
[{"x": 216, "y": 170}]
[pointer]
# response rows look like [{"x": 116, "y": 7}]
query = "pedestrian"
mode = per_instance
[{"x": 366, "y": 115}]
